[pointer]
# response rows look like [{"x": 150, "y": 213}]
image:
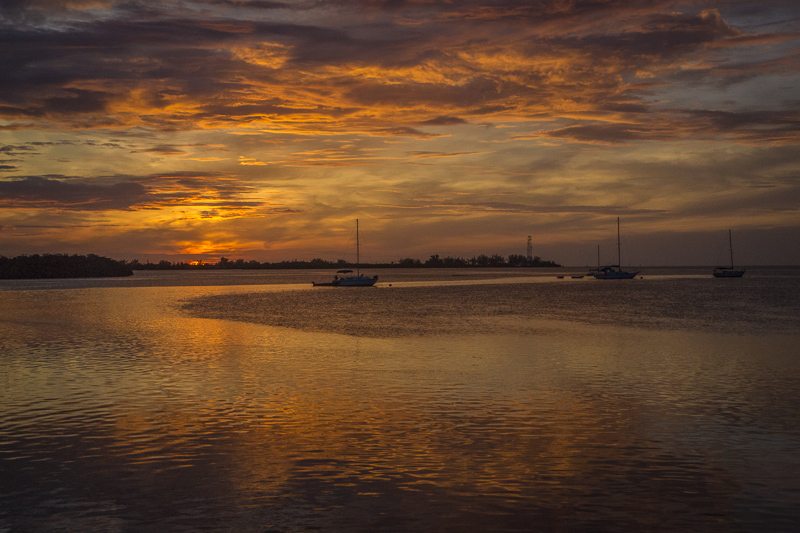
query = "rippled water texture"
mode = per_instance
[
  {"x": 462, "y": 405},
  {"x": 766, "y": 305}
]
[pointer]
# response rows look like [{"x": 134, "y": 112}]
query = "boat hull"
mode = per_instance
[
  {"x": 358, "y": 281},
  {"x": 611, "y": 273},
  {"x": 618, "y": 275},
  {"x": 728, "y": 273},
  {"x": 350, "y": 281}
]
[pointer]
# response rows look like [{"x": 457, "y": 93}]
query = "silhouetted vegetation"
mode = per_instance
[
  {"x": 493, "y": 261},
  {"x": 434, "y": 261},
  {"x": 93, "y": 266},
  {"x": 61, "y": 266}
]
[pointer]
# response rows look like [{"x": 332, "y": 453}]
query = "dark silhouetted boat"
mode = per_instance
[
  {"x": 728, "y": 272},
  {"x": 613, "y": 271},
  {"x": 359, "y": 280}
]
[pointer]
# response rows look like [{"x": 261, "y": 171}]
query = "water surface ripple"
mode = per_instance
[
  {"x": 751, "y": 305},
  {"x": 460, "y": 407}
]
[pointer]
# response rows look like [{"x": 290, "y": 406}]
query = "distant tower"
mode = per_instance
[{"x": 529, "y": 256}]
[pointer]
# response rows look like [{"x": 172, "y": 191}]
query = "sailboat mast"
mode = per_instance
[{"x": 730, "y": 246}]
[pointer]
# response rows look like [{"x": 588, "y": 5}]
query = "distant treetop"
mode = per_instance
[
  {"x": 62, "y": 266},
  {"x": 435, "y": 261},
  {"x": 94, "y": 266}
]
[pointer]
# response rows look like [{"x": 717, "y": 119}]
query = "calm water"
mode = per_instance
[{"x": 435, "y": 401}]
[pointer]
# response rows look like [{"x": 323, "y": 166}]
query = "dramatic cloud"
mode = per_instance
[
  {"x": 42, "y": 192},
  {"x": 264, "y": 127}
]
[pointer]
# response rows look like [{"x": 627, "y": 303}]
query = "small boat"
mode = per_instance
[
  {"x": 612, "y": 271},
  {"x": 728, "y": 272},
  {"x": 359, "y": 280},
  {"x": 577, "y": 277}
]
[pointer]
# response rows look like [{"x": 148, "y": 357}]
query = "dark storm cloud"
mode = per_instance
[
  {"x": 169, "y": 60},
  {"x": 777, "y": 127},
  {"x": 444, "y": 121},
  {"x": 658, "y": 39},
  {"x": 17, "y": 149},
  {"x": 77, "y": 101},
  {"x": 503, "y": 10},
  {"x": 760, "y": 126},
  {"x": 762, "y": 123},
  {"x": 172, "y": 53},
  {"x": 273, "y": 108},
  {"x": 195, "y": 189},
  {"x": 47, "y": 191},
  {"x": 477, "y": 92},
  {"x": 322, "y": 46},
  {"x": 102, "y": 49},
  {"x": 20, "y": 11},
  {"x": 162, "y": 149},
  {"x": 120, "y": 192}
]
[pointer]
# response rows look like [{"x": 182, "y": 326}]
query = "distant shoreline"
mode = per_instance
[
  {"x": 58, "y": 266},
  {"x": 321, "y": 264},
  {"x": 92, "y": 266}
]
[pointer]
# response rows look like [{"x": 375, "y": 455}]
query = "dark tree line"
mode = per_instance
[
  {"x": 93, "y": 266},
  {"x": 482, "y": 260},
  {"x": 228, "y": 264},
  {"x": 61, "y": 266},
  {"x": 433, "y": 262}
]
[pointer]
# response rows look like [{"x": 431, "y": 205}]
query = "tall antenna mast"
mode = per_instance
[{"x": 358, "y": 253}]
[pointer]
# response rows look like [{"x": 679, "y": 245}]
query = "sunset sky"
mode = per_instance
[{"x": 257, "y": 129}]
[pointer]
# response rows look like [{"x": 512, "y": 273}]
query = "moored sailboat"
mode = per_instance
[
  {"x": 359, "y": 280},
  {"x": 728, "y": 272},
  {"x": 613, "y": 271}
]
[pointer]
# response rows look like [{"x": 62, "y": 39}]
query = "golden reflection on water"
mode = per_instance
[{"x": 559, "y": 422}]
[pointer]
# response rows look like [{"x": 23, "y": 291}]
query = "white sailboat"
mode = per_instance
[
  {"x": 728, "y": 272},
  {"x": 359, "y": 280},
  {"x": 613, "y": 271}
]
